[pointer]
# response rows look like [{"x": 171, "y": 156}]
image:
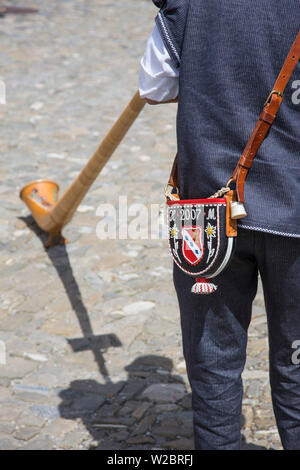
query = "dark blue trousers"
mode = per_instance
[{"x": 214, "y": 329}]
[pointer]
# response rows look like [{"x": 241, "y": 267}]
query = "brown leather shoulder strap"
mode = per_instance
[
  {"x": 266, "y": 119},
  {"x": 173, "y": 180}
]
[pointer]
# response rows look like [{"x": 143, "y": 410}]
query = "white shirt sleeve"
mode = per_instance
[{"x": 158, "y": 78}]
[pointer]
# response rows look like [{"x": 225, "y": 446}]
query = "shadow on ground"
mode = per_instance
[
  {"x": 149, "y": 410},
  {"x": 58, "y": 256}
]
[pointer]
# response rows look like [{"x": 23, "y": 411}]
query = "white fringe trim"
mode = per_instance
[{"x": 203, "y": 288}]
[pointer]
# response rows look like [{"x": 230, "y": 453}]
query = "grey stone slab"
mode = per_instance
[
  {"x": 45, "y": 411},
  {"x": 144, "y": 425},
  {"x": 25, "y": 433},
  {"x": 141, "y": 440},
  {"x": 31, "y": 388},
  {"x": 16, "y": 368},
  {"x": 88, "y": 404},
  {"x": 7, "y": 443},
  {"x": 38, "y": 443},
  {"x": 169, "y": 432},
  {"x": 140, "y": 411},
  {"x": 132, "y": 389},
  {"x": 180, "y": 444},
  {"x": 164, "y": 393}
]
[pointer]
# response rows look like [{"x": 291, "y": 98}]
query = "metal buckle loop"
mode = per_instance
[{"x": 273, "y": 92}]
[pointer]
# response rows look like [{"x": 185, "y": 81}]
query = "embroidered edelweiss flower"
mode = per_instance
[
  {"x": 210, "y": 230},
  {"x": 173, "y": 231}
]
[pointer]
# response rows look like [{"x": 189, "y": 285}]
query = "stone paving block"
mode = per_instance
[
  {"x": 121, "y": 436},
  {"x": 25, "y": 433},
  {"x": 7, "y": 443},
  {"x": 144, "y": 425},
  {"x": 131, "y": 390},
  {"x": 166, "y": 431},
  {"x": 140, "y": 411},
  {"x": 180, "y": 444},
  {"x": 164, "y": 393},
  {"x": 40, "y": 444},
  {"x": 45, "y": 411},
  {"x": 16, "y": 368},
  {"x": 141, "y": 440},
  {"x": 128, "y": 408},
  {"x": 87, "y": 404},
  {"x": 7, "y": 428}
]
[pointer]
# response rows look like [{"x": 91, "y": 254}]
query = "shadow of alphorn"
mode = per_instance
[
  {"x": 40, "y": 196},
  {"x": 89, "y": 341}
]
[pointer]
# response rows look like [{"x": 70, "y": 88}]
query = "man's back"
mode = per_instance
[{"x": 230, "y": 55}]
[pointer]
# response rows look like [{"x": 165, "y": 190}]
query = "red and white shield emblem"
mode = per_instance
[{"x": 192, "y": 244}]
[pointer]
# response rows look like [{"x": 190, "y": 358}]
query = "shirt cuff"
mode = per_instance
[{"x": 158, "y": 78}]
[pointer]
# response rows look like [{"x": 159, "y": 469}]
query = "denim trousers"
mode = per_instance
[{"x": 214, "y": 331}]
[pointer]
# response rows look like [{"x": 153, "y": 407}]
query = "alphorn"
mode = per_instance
[{"x": 41, "y": 196}]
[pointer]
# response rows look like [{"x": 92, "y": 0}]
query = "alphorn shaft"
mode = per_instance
[
  {"x": 68, "y": 203},
  {"x": 53, "y": 217}
]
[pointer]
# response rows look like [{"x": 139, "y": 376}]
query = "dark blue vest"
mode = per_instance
[{"x": 230, "y": 53}]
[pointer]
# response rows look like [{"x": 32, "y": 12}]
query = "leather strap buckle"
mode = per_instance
[{"x": 273, "y": 92}]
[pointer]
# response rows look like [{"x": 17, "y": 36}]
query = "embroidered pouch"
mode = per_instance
[{"x": 201, "y": 238}]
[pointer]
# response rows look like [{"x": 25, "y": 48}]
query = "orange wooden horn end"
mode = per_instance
[{"x": 40, "y": 197}]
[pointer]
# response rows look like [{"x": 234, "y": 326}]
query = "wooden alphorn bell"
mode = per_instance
[{"x": 52, "y": 214}]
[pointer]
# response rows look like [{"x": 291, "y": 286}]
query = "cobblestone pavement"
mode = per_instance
[{"x": 91, "y": 330}]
